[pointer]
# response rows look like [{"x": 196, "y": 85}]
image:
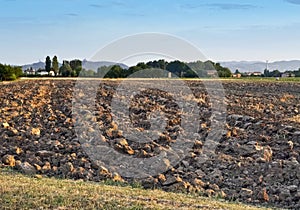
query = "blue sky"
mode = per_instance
[{"x": 223, "y": 30}]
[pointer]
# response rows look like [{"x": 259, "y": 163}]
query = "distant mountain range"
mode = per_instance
[
  {"x": 85, "y": 64},
  {"x": 251, "y": 66},
  {"x": 36, "y": 66}
]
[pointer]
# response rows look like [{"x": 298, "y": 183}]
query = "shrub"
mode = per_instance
[
  {"x": 11, "y": 77},
  {"x": 8, "y": 73}
]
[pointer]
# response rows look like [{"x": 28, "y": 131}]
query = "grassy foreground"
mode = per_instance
[{"x": 22, "y": 192}]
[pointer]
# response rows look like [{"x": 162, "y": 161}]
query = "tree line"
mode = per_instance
[
  {"x": 178, "y": 68},
  {"x": 195, "y": 69},
  {"x": 8, "y": 72},
  {"x": 74, "y": 68},
  {"x": 277, "y": 73}
]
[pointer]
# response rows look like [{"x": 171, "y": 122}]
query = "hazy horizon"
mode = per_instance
[{"x": 155, "y": 58}]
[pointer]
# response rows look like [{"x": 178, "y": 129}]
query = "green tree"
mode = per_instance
[
  {"x": 222, "y": 71},
  {"x": 196, "y": 67},
  {"x": 177, "y": 67},
  {"x": 276, "y": 73},
  {"x": 48, "y": 64},
  {"x": 190, "y": 74},
  {"x": 161, "y": 64},
  {"x": 8, "y": 72},
  {"x": 297, "y": 73},
  {"x": 76, "y": 66},
  {"x": 17, "y": 70},
  {"x": 115, "y": 71},
  {"x": 55, "y": 66},
  {"x": 87, "y": 73},
  {"x": 65, "y": 70},
  {"x": 237, "y": 71},
  {"x": 266, "y": 73},
  {"x": 225, "y": 72},
  {"x": 133, "y": 69},
  {"x": 101, "y": 71},
  {"x": 209, "y": 65},
  {"x": 142, "y": 65}
]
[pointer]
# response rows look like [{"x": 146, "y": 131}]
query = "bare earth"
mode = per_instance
[{"x": 256, "y": 160}]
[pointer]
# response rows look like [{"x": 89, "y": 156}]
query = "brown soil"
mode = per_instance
[{"x": 256, "y": 160}]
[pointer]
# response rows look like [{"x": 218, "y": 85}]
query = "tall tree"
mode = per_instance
[
  {"x": 237, "y": 71},
  {"x": 55, "y": 65},
  {"x": 65, "y": 70},
  {"x": 48, "y": 64},
  {"x": 266, "y": 73},
  {"x": 76, "y": 66}
]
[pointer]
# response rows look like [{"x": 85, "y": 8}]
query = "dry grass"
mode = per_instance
[{"x": 22, "y": 192}]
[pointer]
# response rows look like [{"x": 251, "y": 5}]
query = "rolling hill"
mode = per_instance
[{"x": 250, "y": 66}]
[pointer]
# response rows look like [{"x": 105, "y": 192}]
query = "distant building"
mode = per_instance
[
  {"x": 256, "y": 74},
  {"x": 288, "y": 74},
  {"x": 30, "y": 71},
  {"x": 44, "y": 73},
  {"x": 41, "y": 73},
  {"x": 212, "y": 73},
  {"x": 238, "y": 75}
]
